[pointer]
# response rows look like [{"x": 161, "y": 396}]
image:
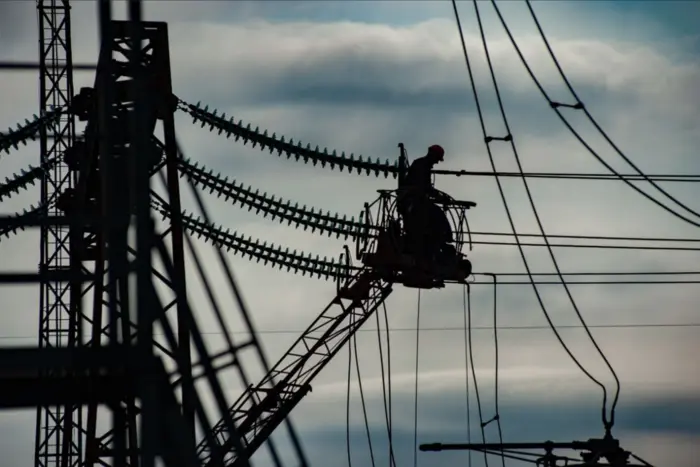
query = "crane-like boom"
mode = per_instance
[
  {"x": 387, "y": 259},
  {"x": 261, "y": 408}
]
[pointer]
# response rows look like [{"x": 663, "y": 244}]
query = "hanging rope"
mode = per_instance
[
  {"x": 347, "y": 408},
  {"x": 497, "y": 416},
  {"x": 466, "y": 371},
  {"x": 607, "y": 424},
  {"x": 362, "y": 393},
  {"x": 415, "y": 400},
  {"x": 467, "y": 302},
  {"x": 388, "y": 358},
  {"x": 506, "y": 207},
  {"x": 619, "y": 152},
  {"x": 387, "y": 403},
  {"x": 362, "y": 398}
]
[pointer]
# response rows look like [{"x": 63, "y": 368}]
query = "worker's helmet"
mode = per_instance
[{"x": 437, "y": 151}]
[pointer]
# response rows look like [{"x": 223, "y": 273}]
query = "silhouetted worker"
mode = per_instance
[{"x": 427, "y": 228}]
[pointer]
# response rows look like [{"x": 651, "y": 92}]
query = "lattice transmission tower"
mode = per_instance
[
  {"x": 111, "y": 278},
  {"x": 58, "y": 439}
]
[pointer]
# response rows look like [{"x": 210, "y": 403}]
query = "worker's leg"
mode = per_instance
[
  {"x": 413, "y": 224},
  {"x": 439, "y": 222},
  {"x": 423, "y": 232},
  {"x": 438, "y": 227}
]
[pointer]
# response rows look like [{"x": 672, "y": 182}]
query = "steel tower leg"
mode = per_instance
[
  {"x": 132, "y": 95},
  {"x": 58, "y": 429}
]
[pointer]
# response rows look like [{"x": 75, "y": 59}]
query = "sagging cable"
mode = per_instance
[
  {"x": 290, "y": 149},
  {"x": 254, "y": 249},
  {"x": 277, "y": 209},
  {"x": 28, "y": 131},
  {"x": 31, "y": 213},
  {"x": 23, "y": 179},
  {"x": 579, "y": 106},
  {"x": 488, "y": 139},
  {"x": 606, "y": 423},
  {"x": 467, "y": 306}
]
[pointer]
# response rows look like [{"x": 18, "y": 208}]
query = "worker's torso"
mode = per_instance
[{"x": 418, "y": 176}]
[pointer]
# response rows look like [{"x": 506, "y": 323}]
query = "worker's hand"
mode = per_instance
[{"x": 441, "y": 197}]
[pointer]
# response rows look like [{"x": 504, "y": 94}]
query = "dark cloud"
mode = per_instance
[
  {"x": 444, "y": 420},
  {"x": 355, "y": 88}
]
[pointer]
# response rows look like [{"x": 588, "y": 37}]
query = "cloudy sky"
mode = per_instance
[{"x": 362, "y": 76}]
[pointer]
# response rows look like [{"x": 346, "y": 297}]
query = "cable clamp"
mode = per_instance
[
  {"x": 577, "y": 106},
  {"x": 495, "y": 418},
  {"x": 489, "y": 139}
]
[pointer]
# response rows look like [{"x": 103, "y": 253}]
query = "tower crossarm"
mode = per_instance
[{"x": 261, "y": 408}]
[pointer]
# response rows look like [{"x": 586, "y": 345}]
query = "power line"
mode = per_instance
[
  {"x": 591, "y": 273},
  {"x": 466, "y": 298},
  {"x": 509, "y": 138},
  {"x": 573, "y": 176},
  {"x": 579, "y": 105},
  {"x": 455, "y": 328},
  {"x": 630, "y": 282},
  {"x": 590, "y": 237},
  {"x": 30, "y": 66},
  {"x": 415, "y": 400},
  {"x": 595, "y": 246}
]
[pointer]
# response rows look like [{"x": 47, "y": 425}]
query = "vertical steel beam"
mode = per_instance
[
  {"x": 132, "y": 96},
  {"x": 140, "y": 196},
  {"x": 58, "y": 440},
  {"x": 177, "y": 241}
]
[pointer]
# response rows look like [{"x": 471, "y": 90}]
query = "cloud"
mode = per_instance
[
  {"x": 364, "y": 87},
  {"x": 422, "y": 66},
  {"x": 444, "y": 419}
]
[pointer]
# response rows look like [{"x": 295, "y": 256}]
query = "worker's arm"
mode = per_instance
[{"x": 439, "y": 196}]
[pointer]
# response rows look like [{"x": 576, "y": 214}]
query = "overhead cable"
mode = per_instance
[
  {"x": 591, "y": 237},
  {"x": 280, "y": 209},
  {"x": 579, "y": 105},
  {"x": 386, "y": 399},
  {"x": 669, "y": 178},
  {"x": 28, "y": 131},
  {"x": 347, "y": 408},
  {"x": 289, "y": 149},
  {"x": 415, "y": 395},
  {"x": 461, "y": 328},
  {"x": 28, "y": 215},
  {"x": 466, "y": 299},
  {"x": 22, "y": 180},
  {"x": 508, "y": 137},
  {"x": 329, "y": 269},
  {"x": 607, "y": 423},
  {"x": 362, "y": 393},
  {"x": 497, "y": 416}
]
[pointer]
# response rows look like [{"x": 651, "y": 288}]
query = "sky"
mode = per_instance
[{"x": 363, "y": 76}]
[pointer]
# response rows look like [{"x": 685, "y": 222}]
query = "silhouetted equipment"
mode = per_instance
[
  {"x": 386, "y": 260},
  {"x": 96, "y": 188},
  {"x": 101, "y": 187},
  {"x": 422, "y": 250},
  {"x": 596, "y": 452}
]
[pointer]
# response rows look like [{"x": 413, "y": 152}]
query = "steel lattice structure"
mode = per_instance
[
  {"x": 57, "y": 437},
  {"x": 96, "y": 189},
  {"x": 114, "y": 362}
]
